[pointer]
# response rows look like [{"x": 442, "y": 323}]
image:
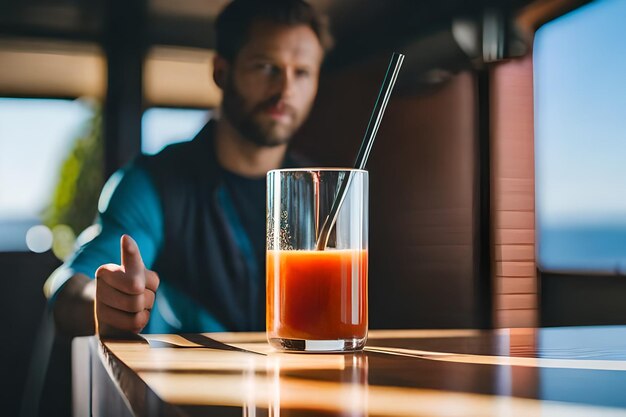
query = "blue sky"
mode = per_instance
[{"x": 580, "y": 116}]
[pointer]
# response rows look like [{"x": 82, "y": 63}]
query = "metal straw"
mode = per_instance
[{"x": 366, "y": 146}]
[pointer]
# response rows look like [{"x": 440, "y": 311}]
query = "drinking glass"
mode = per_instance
[{"x": 316, "y": 299}]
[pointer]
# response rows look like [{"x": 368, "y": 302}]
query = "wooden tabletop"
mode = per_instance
[{"x": 576, "y": 371}]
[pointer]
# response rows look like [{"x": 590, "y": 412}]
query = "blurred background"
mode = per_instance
[{"x": 497, "y": 180}]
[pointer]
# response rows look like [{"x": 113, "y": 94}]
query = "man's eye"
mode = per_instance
[
  {"x": 303, "y": 73},
  {"x": 267, "y": 69}
]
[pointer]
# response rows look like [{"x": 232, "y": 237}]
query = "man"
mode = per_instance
[{"x": 196, "y": 211}]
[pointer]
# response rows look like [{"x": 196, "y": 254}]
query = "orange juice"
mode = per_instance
[{"x": 317, "y": 295}]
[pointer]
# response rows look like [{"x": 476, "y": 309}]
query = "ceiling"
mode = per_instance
[
  {"x": 359, "y": 25},
  {"x": 438, "y": 36}
]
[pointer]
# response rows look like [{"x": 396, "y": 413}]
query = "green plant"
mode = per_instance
[{"x": 75, "y": 197}]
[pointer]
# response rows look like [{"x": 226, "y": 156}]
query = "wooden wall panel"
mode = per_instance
[
  {"x": 422, "y": 192},
  {"x": 513, "y": 194}
]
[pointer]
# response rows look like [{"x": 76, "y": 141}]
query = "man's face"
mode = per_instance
[{"x": 271, "y": 85}]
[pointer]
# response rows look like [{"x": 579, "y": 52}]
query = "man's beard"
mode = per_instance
[{"x": 268, "y": 134}]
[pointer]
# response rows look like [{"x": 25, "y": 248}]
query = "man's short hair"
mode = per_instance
[{"x": 234, "y": 22}]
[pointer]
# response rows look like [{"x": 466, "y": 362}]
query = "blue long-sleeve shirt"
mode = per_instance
[{"x": 129, "y": 204}]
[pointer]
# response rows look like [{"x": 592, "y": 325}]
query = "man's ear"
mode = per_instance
[{"x": 220, "y": 70}]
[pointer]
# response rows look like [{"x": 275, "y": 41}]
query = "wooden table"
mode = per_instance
[{"x": 576, "y": 371}]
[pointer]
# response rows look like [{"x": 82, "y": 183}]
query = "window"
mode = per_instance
[
  {"x": 163, "y": 126},
  {"x": 580, "y": 139},
  {"x": 36, "y": 136}
]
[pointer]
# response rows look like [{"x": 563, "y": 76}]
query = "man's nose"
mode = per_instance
[{"x": 285, "y": 83}]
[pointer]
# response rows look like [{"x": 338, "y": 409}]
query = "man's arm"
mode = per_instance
[
  {"x": 74, "y": 306},
  {"x": 129, "y": 205}
]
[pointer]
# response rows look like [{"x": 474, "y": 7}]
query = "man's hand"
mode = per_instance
[{"x": 124, "y": 293}]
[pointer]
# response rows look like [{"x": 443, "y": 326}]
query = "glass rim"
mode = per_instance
[{"x": 315, "y": 169}]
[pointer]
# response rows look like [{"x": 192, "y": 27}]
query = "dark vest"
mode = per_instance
[{"x": 205, "y": 252}]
